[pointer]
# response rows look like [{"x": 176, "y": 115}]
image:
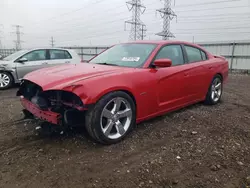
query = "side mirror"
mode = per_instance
[
  {"x": 163, "y": 63},
  {"x": 22, "y": 60}
]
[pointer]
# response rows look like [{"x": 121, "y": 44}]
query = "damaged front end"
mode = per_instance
[{"x": 54, "y": 106}]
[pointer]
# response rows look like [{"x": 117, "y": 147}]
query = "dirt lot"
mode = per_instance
[{"x": 197, "y": 147}]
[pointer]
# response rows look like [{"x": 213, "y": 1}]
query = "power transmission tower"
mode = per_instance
[
  {"x": 52, "y": 42},
  {"x": 18, "y": 37},
  {"x": 136, "y": 24},
  {"x": 143, "y": 32},
  {"x": 167, "y": 14}
]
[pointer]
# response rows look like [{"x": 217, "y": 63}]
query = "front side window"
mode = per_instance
[
  {"x": 59, "y": 54},
  {"x": 173, "y": 52},
  {"x": 193, "y": 54},
  {"x": 126, "y": 55},
  {"x": 37, "y": 55},
  {"x": 15, "y": 55}
]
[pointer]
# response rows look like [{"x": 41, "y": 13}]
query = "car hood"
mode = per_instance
[
  {"x": 4, "y": 64},
  {"x": 60, "y": 77}
]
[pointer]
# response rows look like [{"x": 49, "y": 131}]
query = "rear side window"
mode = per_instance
[
  {"x": 193, "y": 54},
  {"x": 173, "y": 52},
  {"x": 59, "y": 54}
]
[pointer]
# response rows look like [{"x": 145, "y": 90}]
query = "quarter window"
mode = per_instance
[
  {"x": 173, "y": 52},
  {"x": 203, "y": 55},
  {"x": 59, "y": 54},
  {"x": 37, "y": 55}
]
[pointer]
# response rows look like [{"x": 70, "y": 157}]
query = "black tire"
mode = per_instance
[
  {"x": 93, "y": 118},
  {"x": 209, "y": 99},
  {"x": 11, "y": 81}
]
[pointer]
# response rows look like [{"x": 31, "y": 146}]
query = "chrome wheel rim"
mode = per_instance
[
  {"x": 4, "y": 80},
  {"x": 116, "y": 118},
  {"x": 216, "y": 90}
]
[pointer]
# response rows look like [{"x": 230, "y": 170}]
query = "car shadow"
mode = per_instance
[{"x": 81, "y": 133}]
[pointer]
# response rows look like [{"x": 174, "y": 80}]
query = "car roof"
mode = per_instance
[
  {"x": 162, "y": 42},
  {"x": 165, "y": 42},
  {"x": 48, "y": 49}
]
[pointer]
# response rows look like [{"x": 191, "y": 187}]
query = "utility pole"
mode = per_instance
[
  {"x": 52, "y": 42},
  {"x": 1, "y": 37},
  {"x": 18, "y": 37},
  {"x": 167, "y": 14},
  {"x": 136, "y": 24},
  {"x": 143, "y": 32}
]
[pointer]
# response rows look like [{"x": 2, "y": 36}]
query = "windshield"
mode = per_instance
[
  {"x": 14, "y": 55},
  {"x": 126, "y": 55}
]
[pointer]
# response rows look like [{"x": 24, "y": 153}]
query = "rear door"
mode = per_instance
[
  {"x": 198, "y": 75},
  {"x": 171, "y": 81},
  {"x": 37, "y": 59},
  {"x": 59, "y": 57}
]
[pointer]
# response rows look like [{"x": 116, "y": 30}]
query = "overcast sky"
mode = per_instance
[{"x": 101, "y": 22}]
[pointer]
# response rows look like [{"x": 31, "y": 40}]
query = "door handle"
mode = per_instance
[
  {"x": 67, "y": 61},
  {"x": 186, "y": 75},
  {"x": 45, "y": 63},
  {"x": 210, "y": 68}
]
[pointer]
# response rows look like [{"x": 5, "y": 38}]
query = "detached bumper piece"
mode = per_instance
[{"x": 46, "y": 115}]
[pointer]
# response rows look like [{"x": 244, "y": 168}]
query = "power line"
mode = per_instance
[
  {"x": 207, "y": 3},
  {"x": 136, "y": 24},
  {"x": 18, "y": 40},
  {"x": 79, "y": 25},
  {"x": 81, "y": 18},
  {"x": 167, "y": 14},
  {"x": 212, "y": 21},
  {"x": 66, "y": 13},
  {"x": 214, "y": 28}
]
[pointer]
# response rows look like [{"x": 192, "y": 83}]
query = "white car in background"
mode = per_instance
[{"x": 15, "y": 66}]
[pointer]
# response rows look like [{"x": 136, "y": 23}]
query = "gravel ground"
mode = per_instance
[{"x": 197, "y": 147}]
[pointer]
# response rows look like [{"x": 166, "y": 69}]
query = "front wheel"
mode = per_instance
[
  {"x": 6, "y": 80},
  {"x": 215, "y": 91},
  {"x": 112, "y": 118}
]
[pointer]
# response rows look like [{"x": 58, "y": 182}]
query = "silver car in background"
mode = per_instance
[{"x": 14, "y": 67}]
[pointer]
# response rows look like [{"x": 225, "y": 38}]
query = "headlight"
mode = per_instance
[{"x": 63, "y": 97}]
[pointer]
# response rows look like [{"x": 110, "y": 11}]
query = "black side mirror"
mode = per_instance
[{"x": 22, "y": 60}]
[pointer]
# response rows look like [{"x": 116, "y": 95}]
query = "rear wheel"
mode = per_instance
[
  {"x": 215, "y": 91},
  {"x": 6, "y": 80},
  {"x": 112, "y": 118}
]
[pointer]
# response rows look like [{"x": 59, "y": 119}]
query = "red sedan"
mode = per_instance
[{"x": 124, "y": 85}]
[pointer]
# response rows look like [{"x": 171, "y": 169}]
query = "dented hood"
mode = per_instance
[{"x": 63, "y": 76}]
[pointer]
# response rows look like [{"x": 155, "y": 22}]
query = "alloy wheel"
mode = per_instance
[
  {"x": 4, "y": 80},
  {"x": 216, "y": 89},
  {"x": 116, "y": 118}
]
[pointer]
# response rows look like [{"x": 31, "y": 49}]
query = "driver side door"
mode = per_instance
[
  {"x": 172, "y": 82},
  {"x": 36, "y": 59}
]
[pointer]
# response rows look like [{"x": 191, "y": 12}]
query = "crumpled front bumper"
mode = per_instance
[{"x": 49, "y": 116}]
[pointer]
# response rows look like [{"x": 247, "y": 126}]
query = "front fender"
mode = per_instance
[
  {"x": 2, "y": 69},
  {"x": 95, "y": 98}
]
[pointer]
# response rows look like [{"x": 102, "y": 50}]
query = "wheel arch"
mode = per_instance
[
  {"x": 219, "y": 74},
  {"x": 111, "y": 90}
]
